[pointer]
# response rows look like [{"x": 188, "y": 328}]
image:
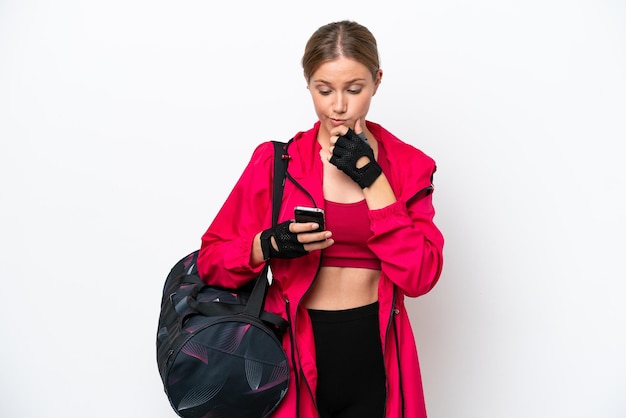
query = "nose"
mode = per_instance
[{"x": 340, "y": 104}]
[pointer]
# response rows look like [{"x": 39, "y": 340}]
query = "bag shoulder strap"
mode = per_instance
[
  {"x": 281, "y": 159},
  {"x": 254, "y": 307}
]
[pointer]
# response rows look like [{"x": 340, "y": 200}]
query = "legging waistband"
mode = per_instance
[{"x": 343, "y": 315}]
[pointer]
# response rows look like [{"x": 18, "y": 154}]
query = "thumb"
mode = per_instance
[
  {"x": 359, "y": 130},
  {"x": 357, "y": 126}
]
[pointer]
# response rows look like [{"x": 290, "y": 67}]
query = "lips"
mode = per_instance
[{"x": 337, "y": 122}]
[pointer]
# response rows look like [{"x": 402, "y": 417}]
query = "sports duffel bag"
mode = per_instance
[{"x": 218, "y": 354}]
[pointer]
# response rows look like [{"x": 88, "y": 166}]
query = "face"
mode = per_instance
[{"x": 342, "y": 90}]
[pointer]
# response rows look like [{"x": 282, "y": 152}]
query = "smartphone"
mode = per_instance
[{"x": 306, "y": 214}]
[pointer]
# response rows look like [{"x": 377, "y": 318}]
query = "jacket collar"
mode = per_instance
[{"x": 308, "y": 171}]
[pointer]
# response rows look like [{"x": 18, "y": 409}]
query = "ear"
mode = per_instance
[{"x": 379, "y": 78}]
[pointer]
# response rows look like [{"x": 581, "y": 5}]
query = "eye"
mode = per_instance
[
  {"x": 354, "y": 91},
  {"x": 324, "y": 92}
]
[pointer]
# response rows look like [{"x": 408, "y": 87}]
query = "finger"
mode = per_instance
[
  {"x": 319, "y": 245},
  {"x": 312, "y": 237},
  {"x": 357, "y": 127},
  {"x": 303, "y": 227},
  {"x": 339, "y": 131}
]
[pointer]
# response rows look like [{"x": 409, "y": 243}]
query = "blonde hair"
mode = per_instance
[{"x": 341, "y": 39}]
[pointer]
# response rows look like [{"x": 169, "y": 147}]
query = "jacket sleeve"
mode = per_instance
[
  {"x": 407, "y": 241},
  {"x": 226, "y": 247}
]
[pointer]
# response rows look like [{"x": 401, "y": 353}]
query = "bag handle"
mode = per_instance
[
  {"x": 257, "y": 297},
  {"x": 223, "y": 309}
]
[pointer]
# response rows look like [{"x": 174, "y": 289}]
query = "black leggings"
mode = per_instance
[{"x": 350, "y": 366}]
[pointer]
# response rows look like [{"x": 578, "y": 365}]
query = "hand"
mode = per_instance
[
  {"x": 290, "y": 239},
  {"x": 353, "y": 155}
]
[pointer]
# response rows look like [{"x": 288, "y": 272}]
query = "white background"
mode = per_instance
[{"x": 124, "y": 124}]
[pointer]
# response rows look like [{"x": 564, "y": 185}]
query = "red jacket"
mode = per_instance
[{"x": 406, "y": 270}]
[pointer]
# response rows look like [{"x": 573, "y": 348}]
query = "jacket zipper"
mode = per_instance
[{"x": 294, "y": 348}]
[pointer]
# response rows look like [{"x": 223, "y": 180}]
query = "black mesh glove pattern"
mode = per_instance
[
  {"x": 348, "y": 149},
  {"x": 287, "y": 242}
]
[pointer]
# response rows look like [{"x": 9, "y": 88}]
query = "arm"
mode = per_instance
[
  {"x": 405, "y": 238},
  {"x": 226, "y": 253},
  {"x": 414, "y": 268},
  {"x": 408, "y": 244}
]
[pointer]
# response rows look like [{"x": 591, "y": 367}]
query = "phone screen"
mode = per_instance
[{"x": 306, "y": 214}]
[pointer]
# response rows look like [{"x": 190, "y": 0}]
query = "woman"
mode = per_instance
[{"x": 342, "y": 289}]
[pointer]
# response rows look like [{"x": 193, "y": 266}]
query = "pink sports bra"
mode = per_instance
[{"x": 350, "y": 225}]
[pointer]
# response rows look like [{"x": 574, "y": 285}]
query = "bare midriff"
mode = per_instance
[{"x": 338, "y": 288}]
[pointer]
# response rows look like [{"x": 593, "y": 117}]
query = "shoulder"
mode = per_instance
[
  {"x": 262, "y": 159},
  {"x": 262, "y": 153}
]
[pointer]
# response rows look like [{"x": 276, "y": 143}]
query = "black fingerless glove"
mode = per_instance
[
  {"x": 348, "y": 149},
  {"x": 287, "y": 242}
]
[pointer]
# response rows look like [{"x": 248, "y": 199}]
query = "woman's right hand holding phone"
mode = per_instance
[{"x": 292, "y": 239}]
